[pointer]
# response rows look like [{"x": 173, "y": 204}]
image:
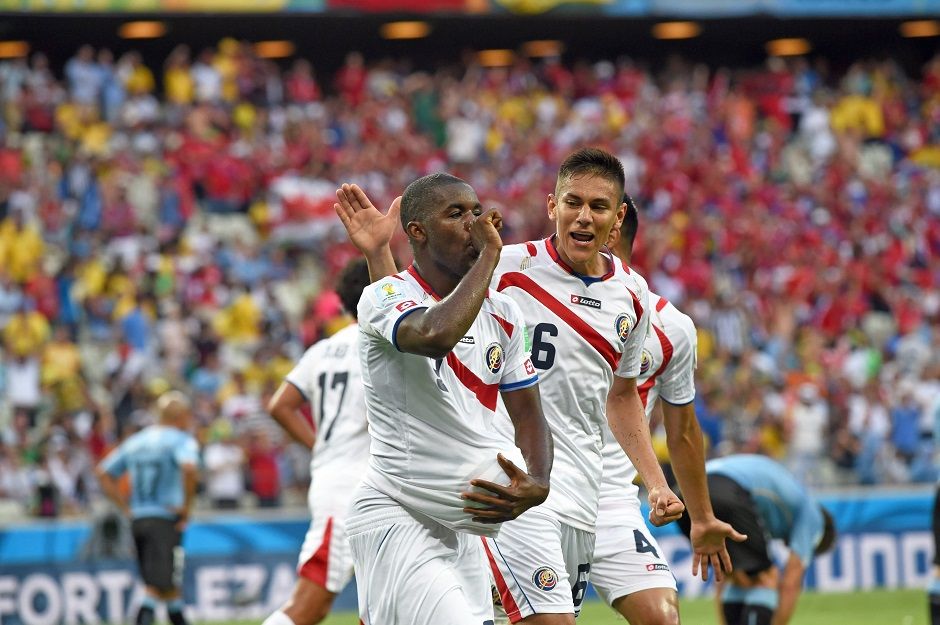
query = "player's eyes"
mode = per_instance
[{"x": 477, "y": 212}]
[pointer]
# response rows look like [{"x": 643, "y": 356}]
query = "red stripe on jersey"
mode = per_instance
[
  {"x": 486, "y": 393},
  {"x": 626, "y": 267},
  {"x": 553, "y": 252},
  {"x": 662, "y": 303},
  {"x": 421, "y": 281},
  {"x": 592, "y": 336},
  {"x": 509, "y": 603},
  {"x": 637, "y": 306},
  {"x": 644, "y": 389},
  {"x": 397, "y": 277},
  {"x": 508, "y": 327},
  {"x": 530, "y": 247},
  {"x": 315, "y": 568}
]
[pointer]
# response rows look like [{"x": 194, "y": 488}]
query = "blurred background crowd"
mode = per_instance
[{"x": 172, "y": 227}]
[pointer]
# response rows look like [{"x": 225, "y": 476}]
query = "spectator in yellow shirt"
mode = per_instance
[{"x": 26, "y": 332}]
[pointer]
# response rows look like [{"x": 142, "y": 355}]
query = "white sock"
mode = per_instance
[{"x": 278, "y": 618}]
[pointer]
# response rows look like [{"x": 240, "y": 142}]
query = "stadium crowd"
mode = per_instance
[{"x": 174, "y": 228}]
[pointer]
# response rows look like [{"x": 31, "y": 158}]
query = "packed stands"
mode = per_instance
[{"x": 172, "y": 226}]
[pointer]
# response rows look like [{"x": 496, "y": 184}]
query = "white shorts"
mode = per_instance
[
  {"x": 325, "y": 558},
  {"x": 539, "y": 566},
  {"x": 411, "y": 570},
  {"x": 627, "y": 559}
]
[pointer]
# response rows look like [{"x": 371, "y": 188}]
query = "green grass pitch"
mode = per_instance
[{"x": 877, "y": 607}]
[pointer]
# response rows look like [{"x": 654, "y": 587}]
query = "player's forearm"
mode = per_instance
[
  {"x": 295, "y": 425},
  {"x": 439, "y": 328},
  {"x": 687, "y": 454},
  {"x": 381, "y": 263},
  {"x": 110, "y": 489},
  {"x": 628, "y": 425},
  {"x": 791, "y": 584},
  {"x": 533, "y": 436},
  {"x": 190, "y": 484}
]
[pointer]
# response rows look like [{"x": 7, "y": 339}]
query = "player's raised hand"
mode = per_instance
[
  {"x": 484, "y": 230},
  {"x": 709, "y": 549},
  {"x": 506, "y": 502},
  {"x": 368, "y": 228},
  {"x": 665, "y": 507}
]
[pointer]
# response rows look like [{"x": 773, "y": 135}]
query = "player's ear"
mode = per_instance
[
  {"x": 552, "y": 204},
  {"x": 416, "y": 232}
]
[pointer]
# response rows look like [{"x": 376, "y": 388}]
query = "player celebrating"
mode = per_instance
[
  {"x": 437, "y": 347},
  {"x": 760, "y": 496},
  {"x": 629, "y": 571},
  {"x": 328, "y": 377},
  {"x": 162, "y": 462},
  {"x": 588, "y": 316}
]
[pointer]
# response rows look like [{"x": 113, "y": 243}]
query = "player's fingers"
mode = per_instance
[
  {"x": 488, "y": 499},
  {"x": 696, "y": 560},
  {"x": 360, "y": 199},
  {"x": 726, "y": 565},
  {"x": 716, "y": 567},
  {"x": 508, "y": 466},
  {"x": 737, "y": 536},
  {"x": 343, "y": 217},
  {"x": 487, "y": 513},
  {"x": 395, "y": 209}
]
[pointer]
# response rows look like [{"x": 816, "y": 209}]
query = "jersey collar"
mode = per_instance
[
  {"x": 423, "y": 283},
  {"x": 588, "y": 280}
]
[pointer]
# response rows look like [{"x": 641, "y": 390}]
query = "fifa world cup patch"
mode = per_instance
[
  {"x": 386, "y": 292},
  {"x": 545, "y": 578},
  {"x": 657, "y": 567}
]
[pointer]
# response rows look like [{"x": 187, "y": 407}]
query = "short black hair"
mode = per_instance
[
  {"x": 352, "y": 280},
  {"x": 594, "y": 162},
  {"x": 828, "y": 539},
  {"x": 631, "y": 222},
  {"x": 420, "y": 196}
]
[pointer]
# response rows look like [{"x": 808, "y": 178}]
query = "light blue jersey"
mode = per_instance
[
  {"x": 153, "y": 458},
  {"x": 787, "y": 510}
]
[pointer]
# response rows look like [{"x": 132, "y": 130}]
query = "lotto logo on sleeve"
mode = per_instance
[
  {"x": 657, "y": 567},
  {"x": 545, "y": 578},
  {"x": 403, "y": 306}
]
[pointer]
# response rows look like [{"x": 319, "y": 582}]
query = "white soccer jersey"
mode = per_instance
[
  {"x": 583, "y": 332},
  {"x": 329, "y": 377},
  {"x": 431, "y": 421},
  {"x": 667, "y": 370}
]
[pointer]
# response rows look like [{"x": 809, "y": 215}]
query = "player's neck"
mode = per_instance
[{"x": 440, "y": 283}]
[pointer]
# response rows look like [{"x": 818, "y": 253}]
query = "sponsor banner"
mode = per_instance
[{"x": 238, "y": 569}]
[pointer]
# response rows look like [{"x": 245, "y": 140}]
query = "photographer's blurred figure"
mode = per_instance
[{"x": 161, "y": 461}]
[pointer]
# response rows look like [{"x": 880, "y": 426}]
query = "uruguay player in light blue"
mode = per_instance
[
  {"x": 760, "y": 498},
  {"x": 161, "y": 462}
]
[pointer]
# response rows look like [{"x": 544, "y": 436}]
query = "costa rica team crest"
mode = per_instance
[
  {"x": 494, "y": 357},
  {"x": 646, "y": 359},
  {"x": 545, "y": 578},
  {"x": 622, "y": 325}
]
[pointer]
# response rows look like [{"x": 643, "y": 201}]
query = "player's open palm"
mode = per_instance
[
  {"x": 368, "y": 228},
  {"x": 665, "y": 506},
  {"x": 709, "y": 548},
  {"x": 495, "y": 503},
  {"x": 484, "y": 230}
]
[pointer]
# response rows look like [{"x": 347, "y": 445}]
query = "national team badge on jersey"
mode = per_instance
[
  {"x": 646, "y": 359},
  {"x": 494, "y": 357},
  {"x": 623, "y": 327},
  {"x": 545, "y": 578}
]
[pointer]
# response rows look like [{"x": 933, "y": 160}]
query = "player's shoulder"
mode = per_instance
[
  {"x": 502, "y": 307},
  {"x": 631, "y": 276},
  {"x": 348, "y": 335},
  {"x": 389, "y": 291},
  {"x": 675, "y": 322}
]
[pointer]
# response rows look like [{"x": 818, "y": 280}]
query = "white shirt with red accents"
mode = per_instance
[
  {"x": 667, "y": 370},
  {"x": 329, "y": 377},
  {"x": 583, "y": 331},
  {"x": 432, "y": 421}
]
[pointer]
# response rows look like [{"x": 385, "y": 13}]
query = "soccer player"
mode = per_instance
[
  {"x": 162, "y": 463},
  {"x": 762, "y": 498},
  {"x": 437, "y": 348},
  {"x": 328, "y": 377},
  {"x": 588, "y": 316},
  {"x": 629, "y": 571}
]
